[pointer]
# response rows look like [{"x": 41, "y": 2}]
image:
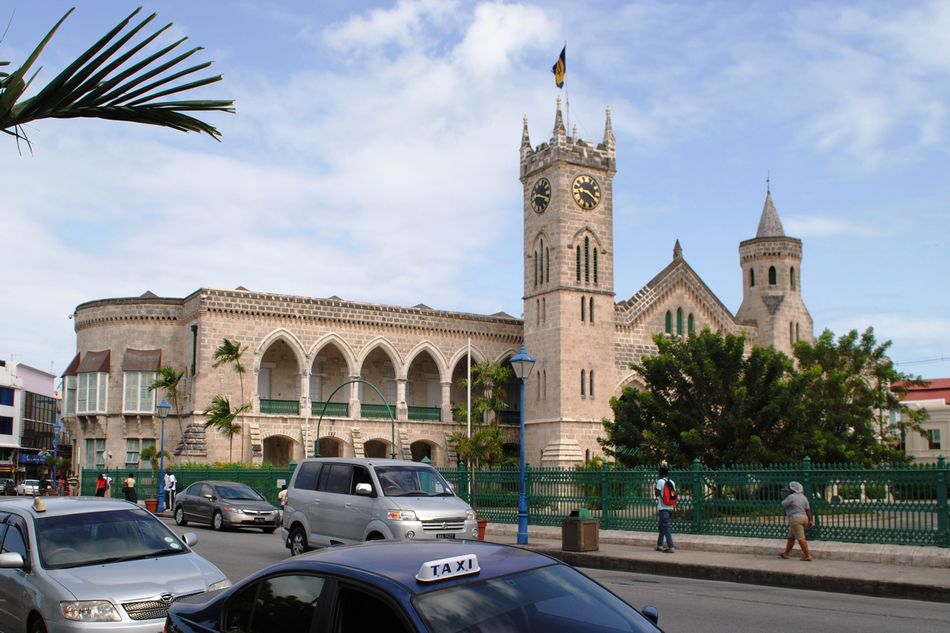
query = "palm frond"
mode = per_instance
[{"x": 106, "y": 82}]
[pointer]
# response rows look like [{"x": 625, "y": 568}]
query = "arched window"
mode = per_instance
[
  {"x": 578, "y": 263},
  {"x": 590, "y": 312},
  {"x": 547, "y": 264},
  {"x": 752, "y": 278},
  {"x": 544, "y": 310},
  {"x": 679, "y": 321},
  {"x": 544, "y": 384},
  {"x": 583, "y": 304},
  {"x": 791, "y": 277},
  {"x": 536, "y": 269},
  {"x": 591, "y": 390},
  {"x": 796, "y": 331},
  {"x": 772, "y": 280},
  {"x": 539, "y": 386},
  {"x": 791, "y": 335},
  {"x": 690, "y": 324},
  {"x": 583, "y": 383},
  {"x": 595, "y": 265},
  {"x": 669, "y": 322},
  {"x": 537, "y": 307},
  {"x": 586, "y": 259},
  {"x": 541, "y": 264}
]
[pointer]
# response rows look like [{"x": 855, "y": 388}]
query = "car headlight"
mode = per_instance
[
  {"x": 90, "y": 611},
  {"x": 469, "y": 515},
  {"x": 402, "y": 515},
  {"x": 221, "y": 584}
]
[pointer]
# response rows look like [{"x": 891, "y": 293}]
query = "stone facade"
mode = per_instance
[{"x": 319, "y": 373}]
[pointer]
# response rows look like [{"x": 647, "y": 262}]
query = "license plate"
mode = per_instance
[
  {"x": 445, "y": 536},
  {"x": 259, "y": 519}
]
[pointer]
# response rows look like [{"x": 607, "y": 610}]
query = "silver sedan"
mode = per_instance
[{"x": 225, "y": 505}]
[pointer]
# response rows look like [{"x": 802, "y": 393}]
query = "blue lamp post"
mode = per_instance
[
  {"x": 163, "y": 409},
  {"x": 522, "y": 363},
  {"x": 57, "y": 429}
]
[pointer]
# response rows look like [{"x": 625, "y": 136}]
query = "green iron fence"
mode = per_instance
[{"x": 904, "y": 506}]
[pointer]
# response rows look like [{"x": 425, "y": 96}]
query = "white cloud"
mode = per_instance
[{"x": 828, "y": 226}]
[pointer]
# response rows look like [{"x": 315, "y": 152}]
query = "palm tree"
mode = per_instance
[
  {"x": 106, "y": 82},
  {"x": 229, "y": 353},
  {"x": 151, "y": 453},
  {"x": 168, "y": 379},
  {"x": 221, "y": 416}
]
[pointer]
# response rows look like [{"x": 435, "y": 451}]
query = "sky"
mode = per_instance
[{"x": 374, "y": 156}]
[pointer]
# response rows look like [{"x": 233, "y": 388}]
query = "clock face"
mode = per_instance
[
  {"x": 541, "y": 195},
  {"x": 586, "y": 192}
]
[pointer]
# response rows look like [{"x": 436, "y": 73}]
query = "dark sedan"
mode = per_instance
[
  {"x": 414, "y": 587},
  {"x": 225, "y": 505}
]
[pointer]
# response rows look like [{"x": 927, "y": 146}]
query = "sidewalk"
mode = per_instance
[{"x": 891, "y": 571}]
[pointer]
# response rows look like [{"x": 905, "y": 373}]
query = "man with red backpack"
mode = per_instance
[{"x": 666, "y": 498}]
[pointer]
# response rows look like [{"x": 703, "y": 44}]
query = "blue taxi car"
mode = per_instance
[{"x": 432, "y": 586}]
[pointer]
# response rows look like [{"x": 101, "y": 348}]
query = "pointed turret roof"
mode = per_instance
[
  {"x": 769, "y": 224},
  {"x": 609, "y": 140},
  {"x": 525, "y": 141},
  {"x": 677, "y": 250},
  {"x": 560, "y": 132}
]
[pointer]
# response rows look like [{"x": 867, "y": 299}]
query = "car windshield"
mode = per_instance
[
  {"x": 91, "y": 538},
  {"x": 554, "y": 599},
  {"x": 412, "y": 481},
  {"x": 31, "y": 482},
  {"x": 239, "y": 493}
]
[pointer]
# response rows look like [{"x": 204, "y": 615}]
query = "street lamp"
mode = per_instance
[
  {"x": 522, "y": 363},
  {"x": 163, "y": 409},
  {"x": 57, "y": 429}
]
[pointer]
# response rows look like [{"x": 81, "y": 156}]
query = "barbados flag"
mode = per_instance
[{"x": 560, "y": 67}]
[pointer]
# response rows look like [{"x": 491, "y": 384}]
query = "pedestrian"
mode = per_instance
[
  {"x": 101, "y": 486},
  {"x": 61, "y": 485},
  {"x": 664, "y": 508},
  {"x": 170, "y": 484},
  {"x": 798, "y": 513},
  {"x": 282, "y": 500},
  {"x": 108, "y": 485},
  {"x": 128, "y": 489}
]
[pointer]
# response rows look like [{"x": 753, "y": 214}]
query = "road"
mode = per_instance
[{"x": 684, "y": 604}]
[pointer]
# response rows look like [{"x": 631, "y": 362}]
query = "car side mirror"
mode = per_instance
[
  {"x": 364, "y": 489},
  {"x": 12, "y": 560},
  {"x": 190, "y": 538},
  {"x": 651, "y": 614}
]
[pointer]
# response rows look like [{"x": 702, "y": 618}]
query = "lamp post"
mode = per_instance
[
  {"x": 163, "y": 409},
  {"x": 522, "y": 363}
]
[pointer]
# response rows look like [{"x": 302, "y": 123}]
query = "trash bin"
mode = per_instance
[{"x": 580, "y": 532}]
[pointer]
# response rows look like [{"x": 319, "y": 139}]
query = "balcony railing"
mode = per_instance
[
  {"x": 428, "y": 414},
  {"x": 510, "y": 417},
  {"x": 377, "y": 411},
  {"x": 280, "y": 407},
  {"x": 334, "y": 409}
]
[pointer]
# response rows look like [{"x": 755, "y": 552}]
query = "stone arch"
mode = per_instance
[
  {"x": 279, "y": 449},
  {"x": 632, "y": 379},
  {"x": 388, "y": 348},
  {"x": 424, "y": 448},
  {"x": 477, "y": 355},
  {"x": 434, "y": 352},
  {"x": 277, "y": 335},
  {"x": 331, "y": 446},
  {"x": 377, "y": 448},
  {"x": 344, "y": 348},
  {"x": 594, "y": 235}
]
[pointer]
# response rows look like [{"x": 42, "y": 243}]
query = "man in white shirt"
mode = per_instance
[
  {"x": 170, "y": 484},
  {"x": 665, "y": 529}
]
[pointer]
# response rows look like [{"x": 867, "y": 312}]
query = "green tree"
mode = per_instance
[
  {"x": 221, "y": 416},
  {"x": 230, "y": 353},
  {"x": 842, "y": 388},
  {"x": 168, "y": 380},
  {"x": 151, "y": 454},
  {"x": 703, "y": 398},
  {"x": 115, "y": 79}
]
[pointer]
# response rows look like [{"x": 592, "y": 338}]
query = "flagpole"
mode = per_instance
[{"x": 567, "y": 99}]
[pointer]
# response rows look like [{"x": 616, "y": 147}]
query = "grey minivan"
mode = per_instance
[
  {"x": 338, "y": 500},
  {"x": 87, "y": 564}
]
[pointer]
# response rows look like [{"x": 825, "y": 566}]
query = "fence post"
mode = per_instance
[
  {"x": 604, "y": 497},
  {"x": 699, "y": 497},
  {"x": 943, "y": 518}
]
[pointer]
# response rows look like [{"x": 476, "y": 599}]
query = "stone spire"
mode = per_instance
[
  {"x": 560, "y": 132},
  {"x": 525, "y": 140},
  {"x": 677, "y": 250},
  {"x": 610, "y": 142},
  {"x": 769, "y": 224}
]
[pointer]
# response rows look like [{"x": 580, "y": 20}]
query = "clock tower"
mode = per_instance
[{"x": 569, "y": 322}]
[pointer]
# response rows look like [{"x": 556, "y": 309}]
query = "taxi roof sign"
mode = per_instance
[{"x": 446, "y": 568}]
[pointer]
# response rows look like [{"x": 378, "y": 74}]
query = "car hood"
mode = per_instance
[
  {"x": 181, "y": 574},
  {"x": 427, "y": 508}
]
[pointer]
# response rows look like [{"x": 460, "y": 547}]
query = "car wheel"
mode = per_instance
[
  {"x": 298, "y": 542},
  {"x": 217, "y": 521},
  {"x": 180, "y": 516},
  {"x": 268, "y": 530},
  {"x": 37, "y": 625}
]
